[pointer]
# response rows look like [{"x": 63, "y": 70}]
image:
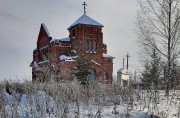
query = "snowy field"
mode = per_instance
[{"x": 71, "y": 100}]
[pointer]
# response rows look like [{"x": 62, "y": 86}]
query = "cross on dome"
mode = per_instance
[
  {"x": 84, "y": 4},
  {"x": 85, "y": 20}
]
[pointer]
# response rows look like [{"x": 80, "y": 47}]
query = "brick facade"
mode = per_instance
[{"x": 63, "y": 51}]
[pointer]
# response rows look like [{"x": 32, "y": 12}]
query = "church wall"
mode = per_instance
[
  {"x": 108, "y": 67},
  {"x": 81, "y": 32},
  {"x": 89, "y": 33},
  {"x": 92, "y": 35},
  {"x": 61, "y": 48}
]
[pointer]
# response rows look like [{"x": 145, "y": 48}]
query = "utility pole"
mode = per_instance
[{"x": 127, "y": 60}]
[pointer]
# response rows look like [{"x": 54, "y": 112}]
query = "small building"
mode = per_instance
[
  {"x": 123, "y": 74},
  {"x": 122, "y": 77}
]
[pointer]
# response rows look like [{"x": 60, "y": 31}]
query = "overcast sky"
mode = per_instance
[{"x": 20, "y": 22}]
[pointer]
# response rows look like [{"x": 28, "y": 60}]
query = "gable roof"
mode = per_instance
[
  {"x": 86, "y": 20},
  {"x": 45, "y": 28}
]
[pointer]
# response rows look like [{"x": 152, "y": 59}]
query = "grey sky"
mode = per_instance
[{"x": 20, "y": 22}]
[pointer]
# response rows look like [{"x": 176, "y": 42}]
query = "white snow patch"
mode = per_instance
[
  {"x": 92, "y": 51},
  {"x": 44, "y": 47},
  {"x": 96, "y": 63},
  {"x": 107, "y": 56},
  {"x": 41, "y": 62},
  {"x": 73, "y": 51},
  {"x": 67, "y": 58},
  {"x": 62, "y": 39},
  {"x": 35, "y": 64}
]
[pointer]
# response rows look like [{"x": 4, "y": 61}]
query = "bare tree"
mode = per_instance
[
  {"x": 158, "y": 25},
  {"x": 51, "y": 69}
]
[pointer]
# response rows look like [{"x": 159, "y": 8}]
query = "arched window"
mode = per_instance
[
  {"x": 87, "y": 46},
  {"x": 91, "y": 45},
  {"x": 92, "y": 74},
  {"x": 106, "y": 76},
  {"x": 94, "y": 45}
]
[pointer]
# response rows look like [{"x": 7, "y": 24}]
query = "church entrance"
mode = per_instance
[{"x": 92, "y": 74}]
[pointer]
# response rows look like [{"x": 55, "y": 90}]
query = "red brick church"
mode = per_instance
[{"x": 62, "y": 53}]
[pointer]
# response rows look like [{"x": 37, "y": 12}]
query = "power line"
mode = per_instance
[{"x": 19, "y": 20}]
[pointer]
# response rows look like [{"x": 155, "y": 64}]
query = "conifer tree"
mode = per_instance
[
  {"x": 83, "y": 62},
  {"x": 152, "y": 71}
]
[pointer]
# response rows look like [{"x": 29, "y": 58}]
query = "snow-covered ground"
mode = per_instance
[
  {"x": 73, "y": 101},
  {"x": 42, "y": 105}
]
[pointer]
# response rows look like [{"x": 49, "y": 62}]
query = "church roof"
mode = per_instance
[
  {"x": 123, "y": 70},
  {"x": 46, "y": 30},
  {"x": 86, "y": 20},
  {"x": 107, "y": 56},
  {"x": 120, "y": 70},
  {"x": 62, "y": 39}
]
